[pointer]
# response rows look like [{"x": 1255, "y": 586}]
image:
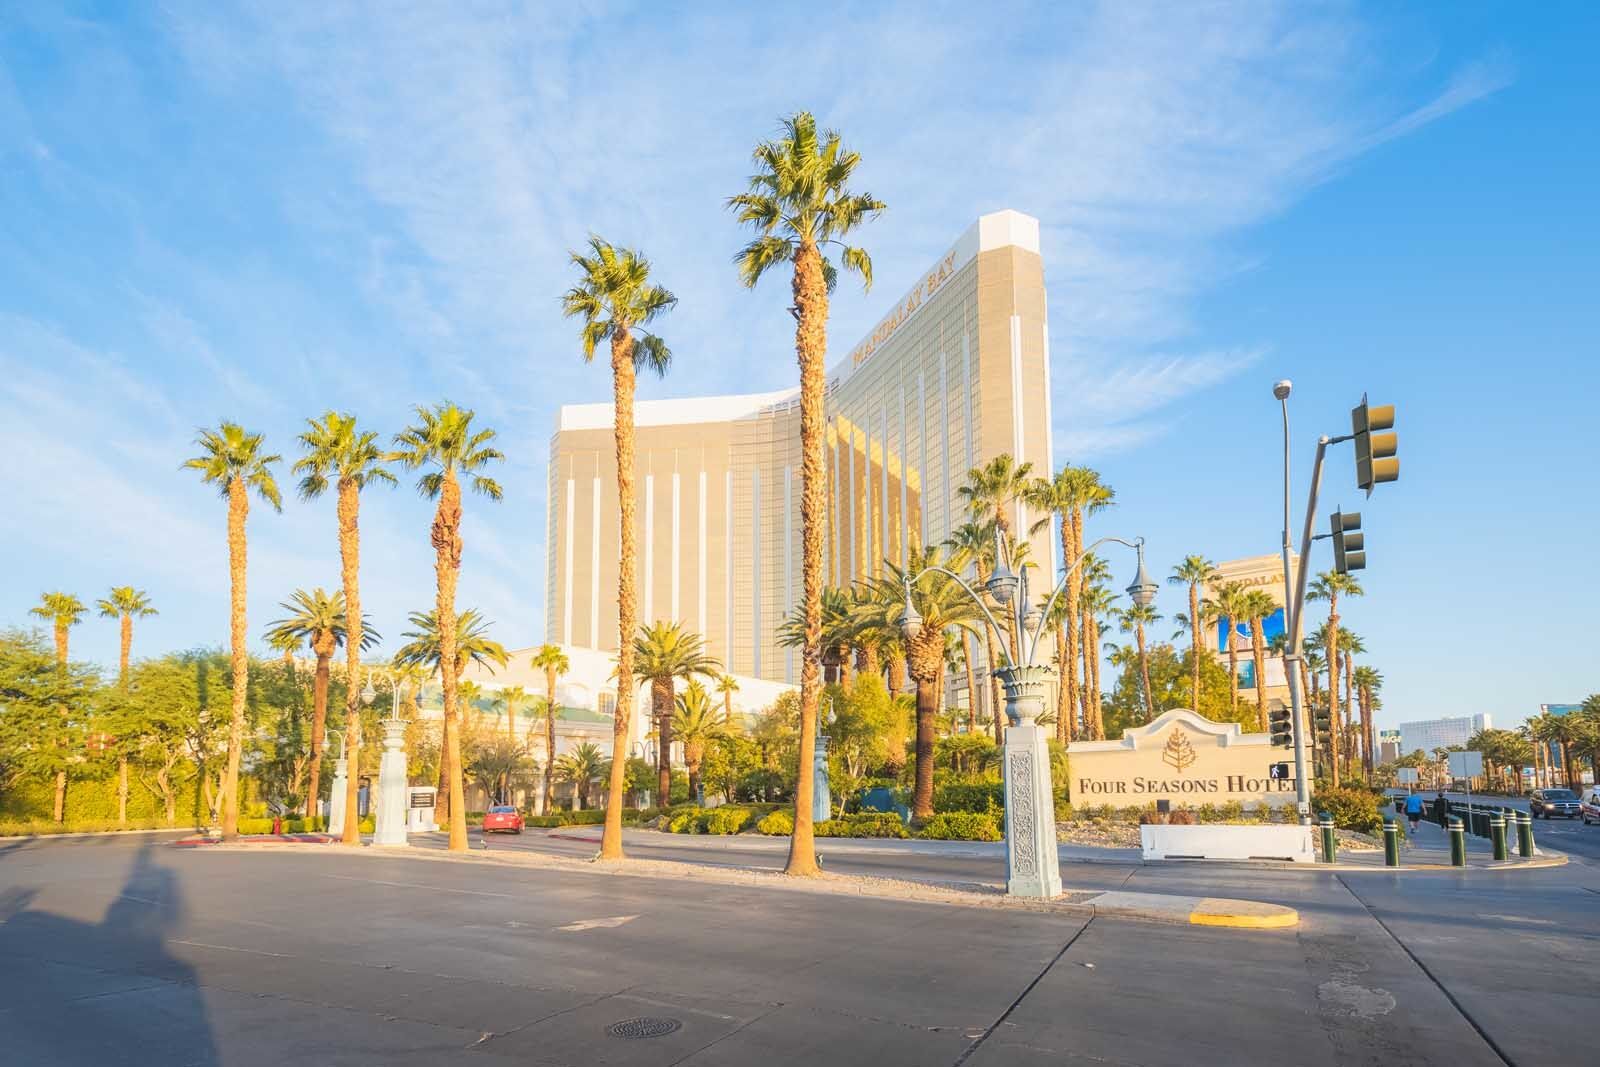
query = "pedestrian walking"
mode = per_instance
[
  {"x": 1441, "y": 809},
  {"x": 1414, "y": 810}
]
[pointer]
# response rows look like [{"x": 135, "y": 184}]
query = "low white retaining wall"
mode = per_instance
[{"x": 1293, "y": 843}]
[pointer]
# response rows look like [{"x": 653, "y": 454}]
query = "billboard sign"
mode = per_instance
[{"x": 1466, "y": 764}]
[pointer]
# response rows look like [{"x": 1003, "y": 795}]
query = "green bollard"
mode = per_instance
[
  {"x": 1497, "y": 834},
  {"x": 1458, "y": 842},
  {"x": 1330, "y": 843},
  {"x": 1391, "y": 842},
  {"x": 1525, "y": 835}
]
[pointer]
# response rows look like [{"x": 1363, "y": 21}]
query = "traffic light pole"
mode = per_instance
[{"x": 1297, "y": 603}]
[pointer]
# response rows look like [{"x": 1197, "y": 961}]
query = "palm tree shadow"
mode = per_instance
[{"x": 80, "y": 992}]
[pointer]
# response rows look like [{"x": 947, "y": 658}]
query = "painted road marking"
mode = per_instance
[{"x": 597, "y": 924}]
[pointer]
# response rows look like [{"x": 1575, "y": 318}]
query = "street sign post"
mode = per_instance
[
  {"x": 1468, "y": 765},
  {"x": 1407, "y": 776}
]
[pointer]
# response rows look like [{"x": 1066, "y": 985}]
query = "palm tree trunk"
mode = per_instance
[
  {"x": 1194, "y": 633},
  {"x": 1068, "y": 704},
  {"x": 238, "y": 511},
  {"x": 1233, "y": 671},
  {"x": 811, "y": 346},
  {"x": 1093, "y": 713},
  {"x": 661, "y": 698},
  {"x": 996, "y": 698},
  {"x": 972, "y": 682},
  {"x": 319, "y": 730},
  {"x": 1258, "y": 652},
  {"x": 1335, "y": 740},
  {"x": 349, "y": 514},
  {"x": 1144, "y": 675},
  {"x": 1351, "y": 737},
  {"x": 927, "y": 711},
  {"x": 1066, "y": 697},
  {"x": 627, "y": 610},
  {"x": 897, "y": 674},
  {"x": 446, "y": 537},
  {"x": 550, "y": 740},
  {"x": 126, "y": 625}
]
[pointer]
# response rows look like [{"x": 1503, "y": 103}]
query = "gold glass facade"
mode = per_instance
[{"x": 956, "y": 373}]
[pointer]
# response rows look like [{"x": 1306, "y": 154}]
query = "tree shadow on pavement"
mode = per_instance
[{"x": 74, "y": 992}]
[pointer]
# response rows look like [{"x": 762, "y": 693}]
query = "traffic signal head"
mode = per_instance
[
  {"x": 1322, "y": 718},
  {"x": 1375, "y": 451},
  {"x": 1348, "y": 544},
  {"x": 1280, "y": 723}
]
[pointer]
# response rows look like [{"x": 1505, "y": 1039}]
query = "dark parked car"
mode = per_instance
[{"x": 1554, "y": 803}]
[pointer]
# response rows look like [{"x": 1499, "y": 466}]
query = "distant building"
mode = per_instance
[
  {"x": 1559, "y": 709},
  {"x": 1430, "y": 734},
  {"x": 1389, "y": 748},
  {"x": 1256, "y": 572}
]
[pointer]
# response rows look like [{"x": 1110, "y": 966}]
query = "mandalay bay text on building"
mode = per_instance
[{"x": 955, "y": 373}]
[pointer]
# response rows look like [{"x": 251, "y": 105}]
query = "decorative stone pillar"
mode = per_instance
[
  {"x": 390, "y": 808},
  {"x": 1033, "y": 866},
  {"x": 821, "y": 799},
  {"x": 341, "y": 778}
]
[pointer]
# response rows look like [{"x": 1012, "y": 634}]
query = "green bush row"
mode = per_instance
[
  {"x": 32, "y": 827},
  {"x": 988, "y": 798},
  {"x": 1352, "y": 808},
  {"x": 961, "y": 826},
  {"x": 727, "y": 819},
  {"x": 297, "y": 826},
  {"x": 586, "y": 817}
]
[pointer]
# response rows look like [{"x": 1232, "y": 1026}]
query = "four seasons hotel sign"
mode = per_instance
[{"x": 1182, "y": 758}]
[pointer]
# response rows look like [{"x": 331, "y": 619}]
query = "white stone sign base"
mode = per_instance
[
  {"x": 341, "y": 781},
  {"x": 1212, "y": 842},
  {"x": 1032, "y": 860},
  {"x": 393, "y": 793}
]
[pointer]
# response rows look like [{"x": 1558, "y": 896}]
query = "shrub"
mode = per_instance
[
  {"x": 961, "y": 826},
  {"x": 988, "y": 798},
  {"x": 778, "y": 824},
  {"x": 1182, "y": 817},
  {"x": 866, "y": 824},
  {"x": 31, "y": 827},
  {"x": 1352, "y": 809},
  {"x": 685, "y": 821},
  {"x": 727, "y": 819}
]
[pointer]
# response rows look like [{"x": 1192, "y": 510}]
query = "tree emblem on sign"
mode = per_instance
[{"x": 1178, "y": 753}]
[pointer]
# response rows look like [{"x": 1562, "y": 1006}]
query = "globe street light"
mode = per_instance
[{"x": 1032, "y": 860}]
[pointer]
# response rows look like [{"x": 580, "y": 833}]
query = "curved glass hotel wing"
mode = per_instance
[{"x": 956, "y": 373}]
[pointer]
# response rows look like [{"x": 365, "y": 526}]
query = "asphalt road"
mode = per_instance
[
  {"x": 1566, "y": 835},
  {"x": 126, "y": 950}
]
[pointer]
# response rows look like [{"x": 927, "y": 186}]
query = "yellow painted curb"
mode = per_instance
[{"x": 1243, "y": 914}]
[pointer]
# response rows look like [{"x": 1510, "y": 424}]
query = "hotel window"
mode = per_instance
[{"x": 607, "y": 704}]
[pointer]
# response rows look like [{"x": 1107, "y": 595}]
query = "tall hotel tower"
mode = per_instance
[{"x": 956, "y": 373}]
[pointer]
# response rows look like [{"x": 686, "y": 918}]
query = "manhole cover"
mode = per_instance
[
  {"x": 642, "y": 1027},
  {"x": 634, "y": 1029}
]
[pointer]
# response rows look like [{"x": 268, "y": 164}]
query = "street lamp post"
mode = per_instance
[
  {"x": 341, "y": 776},
  {"x": 1291, "y": 622},
  {"x": 389, "y": 820},
  {"x": 1032, "y": 861}
]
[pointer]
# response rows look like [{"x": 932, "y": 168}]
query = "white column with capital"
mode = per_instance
[
  {"x": 390, "y": 829},
  {"x": 341, "y": 778},
  {"x": 1033, "y": 863}
]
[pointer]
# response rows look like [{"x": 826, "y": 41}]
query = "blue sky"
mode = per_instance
[{"x": 260, "y": 211}]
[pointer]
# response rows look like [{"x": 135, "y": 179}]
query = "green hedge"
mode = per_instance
[
  {"x": 864, "y": 824},
  {"x": 587, "y": 817},
  {"x": 94, "y": 800},
  {"x": 961, "y": 826},
  {"x": 296, "y": 826},
  {"x": 1352, "y": 809},
  {"x": 779, "y": 824},
  {"x": 987, "y": 798},
  {"x": 32, "y": 827}
]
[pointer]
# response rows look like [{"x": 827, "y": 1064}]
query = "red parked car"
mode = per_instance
[{"x": 502, "y": 818}]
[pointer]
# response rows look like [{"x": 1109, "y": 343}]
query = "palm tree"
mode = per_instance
[
  {"x": 64, "y": 611},
  {"x": 1255, "y": 607},
  {"x": 991, "y": 490},
  {"x": 1349, "y": 645},
  {"x": 336, "y": 452},
  {"x": 580, "y": 767},
  {"x": 444, "y": 441},
  {"x": 125, "y": 603},
  {"x": 1095, "y": 605},
  {"x": 287, "y": 646},
  {"x": 943, "y": 606},
  {"x": 1329, "y": 586},
  {"x": 473, "y": 644},
  {"x": 512, "y": 699},
  {"x": 319, "y": 620},
  {"x": 233, "y": 460},
  {"x": 554, "y": 663},
  {"x": 1195, "y": 572},
  {"x": 975, "y": 541},
  {"x": 1134, "y": 618},
  {"x": 665, "y": 652},
  {"x": 1072, "y": 495},
  {"x": 1231, "y": 605},
  {"x": 1368, "y": 681},
  {"x": 727, "y": 685},
  {"x": 615, "y": 298},
  {"x": 694, "y": 725},
  {"x": 798, "y": 202},
  {"x": 839, "y": 631},
  {"x": 1550, "y": 730}
]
